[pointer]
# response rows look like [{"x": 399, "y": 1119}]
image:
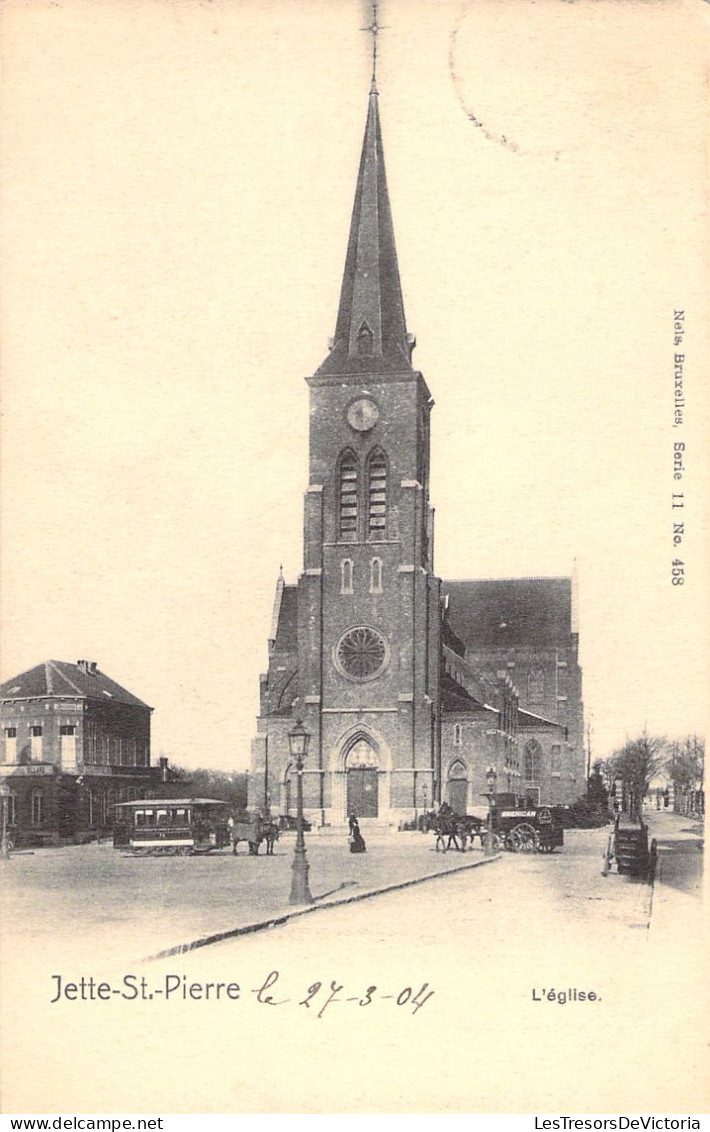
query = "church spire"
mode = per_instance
[{"x": 370, "y": 333}]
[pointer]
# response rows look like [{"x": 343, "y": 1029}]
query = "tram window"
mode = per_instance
[
  {"x": 140, "y": 817},
  {"x": 149, "y": 817},
  {"x": 162, "y": 817},
  {"x": 180, "y": 816}
]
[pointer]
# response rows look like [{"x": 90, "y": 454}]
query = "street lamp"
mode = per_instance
[
  {"x": 491, "y": 780},
  {"x": 5, "y": 793},
  {"x": 298, "y": 740}
]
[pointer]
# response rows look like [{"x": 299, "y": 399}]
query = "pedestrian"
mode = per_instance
[{"x": 357, "y": 841}]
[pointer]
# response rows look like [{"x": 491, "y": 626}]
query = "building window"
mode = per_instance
[
  {"x": 377, "y": 493},
  {"x": 67, "y": 743},
  {"x": 536, "y": 685},
  {"x": 36, "y": 744},
  {"x": 556, "y": 759},
  {"x": 348, "y": 481},
  {"x": 532, "y": 766},
  {"x": 346, "y": 576},
  {"x": 376, "y": 576},
  {"x": 10, "y": 744},
  {"x": 37, "y": 807},
  {"x": 365, "y": 341},
  {"x": 458, "y": 734}
]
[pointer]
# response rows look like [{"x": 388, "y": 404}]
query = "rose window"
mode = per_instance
[{"x": 361, "y": 654}]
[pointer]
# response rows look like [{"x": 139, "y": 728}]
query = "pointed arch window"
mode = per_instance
[
  {"x": 346, "y": 576},
  {"x": 348, "y": 476},
  {"x": 458, "y": 735},
  {"x": 377, "y": 493},
  {"x": 376, "y": 576},
  {"x": 536, "y": 685},
  {"x": 532, "y": 766},
  {"x": 365, "y": 341}
]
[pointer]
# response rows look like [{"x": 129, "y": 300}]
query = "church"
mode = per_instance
[{"x": 411, "y": 687}]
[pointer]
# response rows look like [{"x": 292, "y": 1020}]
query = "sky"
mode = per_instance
[{"x": 176, "y": 193}]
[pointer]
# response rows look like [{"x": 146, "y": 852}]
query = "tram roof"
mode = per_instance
[{"x": 176, "y": 802}]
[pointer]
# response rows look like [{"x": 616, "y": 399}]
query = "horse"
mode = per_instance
[
  {"x": 450, "y": 833},
  {"x": 453, "y": 831},
  {"x": 253, "y": 831},
  {"x": 270, "y": 834}
]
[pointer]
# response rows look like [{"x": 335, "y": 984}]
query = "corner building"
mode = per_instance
[
  {"x": 73, "y": 744},
  {"x": 356, "y": 648}
]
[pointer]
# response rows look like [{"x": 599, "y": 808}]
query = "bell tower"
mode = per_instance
[{"x": 368, "y": 601}]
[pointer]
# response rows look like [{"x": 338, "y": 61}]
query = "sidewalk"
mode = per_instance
[{"x": 676, "y": 912}]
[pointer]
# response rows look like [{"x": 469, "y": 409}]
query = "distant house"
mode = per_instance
[{"x": 74, "y": 743}]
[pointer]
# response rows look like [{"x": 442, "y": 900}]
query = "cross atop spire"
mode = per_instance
[
  {"x": 374, "y": 27},
  {"x": 370, "y": 333}
]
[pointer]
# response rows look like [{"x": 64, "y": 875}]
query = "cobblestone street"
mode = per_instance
[{"x": 491, "y": 942}]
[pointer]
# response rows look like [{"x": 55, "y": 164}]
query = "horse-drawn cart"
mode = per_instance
[
  {"x": 527, "y": 829},
  {"x": 517, "y": 827},
  {"x": 253, "y": 829},
  {"x": 628, "y": 846}
]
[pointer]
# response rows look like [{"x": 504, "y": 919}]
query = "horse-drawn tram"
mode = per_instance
[{"x": 177, "y": 826}]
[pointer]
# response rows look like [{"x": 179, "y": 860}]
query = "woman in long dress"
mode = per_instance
[{"x": 357, "y": 841}]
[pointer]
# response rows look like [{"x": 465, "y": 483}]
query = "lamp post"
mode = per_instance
[
  {"x": 491, "y": 780},
  {"x": 298, "y": 740},
  {"x": 4, "y": 842}
]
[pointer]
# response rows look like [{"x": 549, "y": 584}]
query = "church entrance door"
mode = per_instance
[
  {"x": 362, "y": 792},
  {"x": 457, "y": 788},
  {"x": 458, "y": 791}
]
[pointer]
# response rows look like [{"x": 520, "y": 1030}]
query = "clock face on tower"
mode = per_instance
[{"x": 362, "y": 414}]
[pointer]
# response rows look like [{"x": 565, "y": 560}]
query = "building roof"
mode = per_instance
[
  {"x": 60, "y": 678},
  {"x": 455, "y": 698},
  {"x": 510, "y": 611},
  {"x": 371, "y": 294}
]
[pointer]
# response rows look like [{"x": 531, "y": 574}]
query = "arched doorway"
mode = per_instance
[
  {"x": 361, "y": 774},
  {"x": 457, "y": 787}
]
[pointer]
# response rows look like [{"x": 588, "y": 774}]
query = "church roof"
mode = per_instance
[
  {"x": 61, "y": 678},
  {"x": 510, "y": 611},
  {"x": 370, "y": 332},
  {"x": 529, "y": 720},
  {"x": 455, "y": 698}
]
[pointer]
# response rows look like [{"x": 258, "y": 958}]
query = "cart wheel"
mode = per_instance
[{"x": 523, "y": 838}]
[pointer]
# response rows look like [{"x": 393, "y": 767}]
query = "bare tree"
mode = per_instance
[
  {"x": 637, "y": 763},
  {"x": 605, "y": 768},
  {"x": 687, "y": 762}
]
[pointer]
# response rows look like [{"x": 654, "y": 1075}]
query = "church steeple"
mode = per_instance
[{"x": 370, "y": 333}]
